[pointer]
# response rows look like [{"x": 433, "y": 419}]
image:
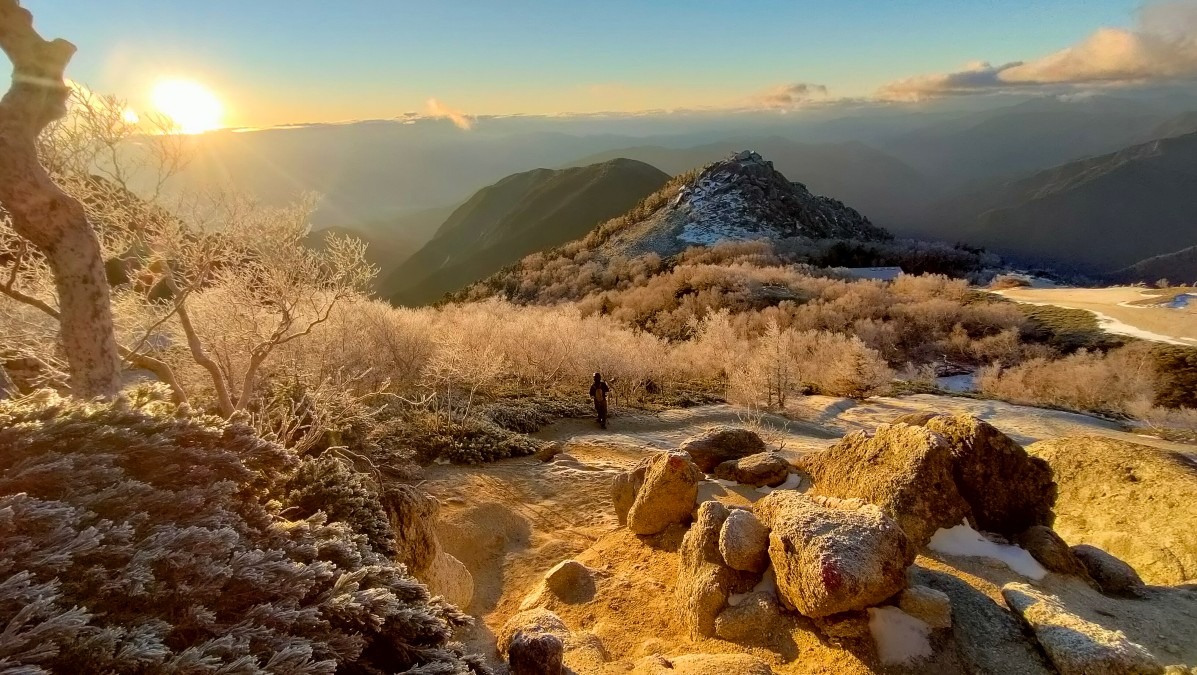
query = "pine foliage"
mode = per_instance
[{"x": 140, "y": 538}]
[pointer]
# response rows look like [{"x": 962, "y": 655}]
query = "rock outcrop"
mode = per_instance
[
  {"x": 1006, "y": 489},
  {"x": 721, "y": 444},
  {"x": 665, "y": 496},
  {"x": 624, "y": 489},
  {"x": 1076, "y": 646},
  {"x": 1132, "y": 500},
  {"x": 933, "y": 471},
  {"x": 761, "y": 469},
  {"x": 413, "y": 516},
  {"x": 704, "y": 580},
  {"x": 928, "y": 605},
  {"x": 752, "y": 621},
  {"x": 832, "y": 555},
  {"x": 905, "y": 470},
  {"x": 1112, "y": 575},
  {"x": 569, "y": 582},
  {"x": 533, "y": 642},
  {"x": 1052, "y": 551}
]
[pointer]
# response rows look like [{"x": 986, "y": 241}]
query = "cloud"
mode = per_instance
[
  {"x": 439, "y": 110},
  {"x": 972, "y": 78},
  {"x": 1162, "y": 47},
  {"x": 791, "y": 95}
]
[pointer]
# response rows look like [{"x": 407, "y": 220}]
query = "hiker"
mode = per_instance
[{"x": 598, "y": 392}]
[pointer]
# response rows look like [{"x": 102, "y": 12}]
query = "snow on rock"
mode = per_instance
[
  {"x": 900, "y": 638},
  {"x": 792, "y": 482},
  {"x": 963, "y": 540}
]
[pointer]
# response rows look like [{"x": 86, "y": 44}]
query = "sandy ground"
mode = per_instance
[
  {"x": 1115, "y": 314},
  {"x": 513, "y": 520}
]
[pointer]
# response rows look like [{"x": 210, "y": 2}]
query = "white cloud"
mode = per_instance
[
  {"x": 1162, "y": 47},
  {"x": 791, "y": 95},
  {"x": 459, "y": 118}
]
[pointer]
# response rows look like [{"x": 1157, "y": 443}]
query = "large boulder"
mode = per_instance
[
  {"x": 625, "y": 486},
  {"x": 1113, "y": 576},
  {"x": 1076, "y": 646},
  {"x": 720, "y": 444},
  {"x": 704, "y": 581},
  {"x": 761, "y": 469},
  {"x": 1132, "y": 500},
  {"x": 904, "y": 470},
  {"x": 744, "y": 542},
  {"x": 667, "y": 494},
  {"x": 1007, "y": 489},
  {"x": 832, "y": 555}
]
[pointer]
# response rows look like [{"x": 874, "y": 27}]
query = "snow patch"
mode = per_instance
[
  {"x": 963, "y": 540},
  {"x": 900, "y": 638},
  {"x": 725, "y": 483},
  {"x": 768, "y": 582},
  {"x": 1182, "y": 301},
  {"x": 792, "y": 482},
  {"x": 957, "y": 384}
]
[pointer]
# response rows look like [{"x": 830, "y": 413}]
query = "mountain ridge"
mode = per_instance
[{"x": 520, "y": 214}]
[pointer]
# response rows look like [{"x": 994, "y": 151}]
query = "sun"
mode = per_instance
[{"x": 192, "y": 107}]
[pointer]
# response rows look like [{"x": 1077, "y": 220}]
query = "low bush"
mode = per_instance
[{"x": 136, "y": 537}]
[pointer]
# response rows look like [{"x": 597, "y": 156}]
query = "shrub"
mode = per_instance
[
  {"x": 1116, "y": 383},
  {"x": 151, "y": 540}
]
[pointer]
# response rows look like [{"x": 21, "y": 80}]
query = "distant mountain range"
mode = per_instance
[
  {"x": 521, "y": 214},
  {"x": 1103, "y": 213}
]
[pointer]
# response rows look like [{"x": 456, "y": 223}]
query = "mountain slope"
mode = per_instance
[
  {"x": 521, "y": 214},
  {"x": 890, "y": 191},
  {"x": 1012, "y": 141},
  {"x": 739, "y": 198},
  {"x": 1104, "y": 212},
  {"x": 1177, "y": 267}
]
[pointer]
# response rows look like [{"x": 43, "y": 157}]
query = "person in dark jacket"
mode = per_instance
[{"x": 598, "y": 392}]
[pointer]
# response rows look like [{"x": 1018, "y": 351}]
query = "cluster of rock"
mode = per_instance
[{"x": 841, "y": 553}]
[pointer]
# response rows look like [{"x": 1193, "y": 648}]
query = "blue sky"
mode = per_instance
[{"x": 281, "y": 61}]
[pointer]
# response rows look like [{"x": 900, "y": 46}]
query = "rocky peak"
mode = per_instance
[
  {"x": 744, "y": 192},
  {"x": 743, "y": 197}
]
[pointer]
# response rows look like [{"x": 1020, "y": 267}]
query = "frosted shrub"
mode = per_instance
[
  {"x": 151, "y": 541},
  {"x": 1113, "y": 382}
]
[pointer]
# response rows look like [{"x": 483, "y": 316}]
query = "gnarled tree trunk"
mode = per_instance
[{"x": 42, "y": 213}]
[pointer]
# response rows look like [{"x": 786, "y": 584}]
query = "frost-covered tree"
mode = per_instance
[{"x": 52, "y": 224}]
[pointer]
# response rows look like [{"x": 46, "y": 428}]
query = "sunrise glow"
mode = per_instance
[{"x": 191, "y": 106}]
